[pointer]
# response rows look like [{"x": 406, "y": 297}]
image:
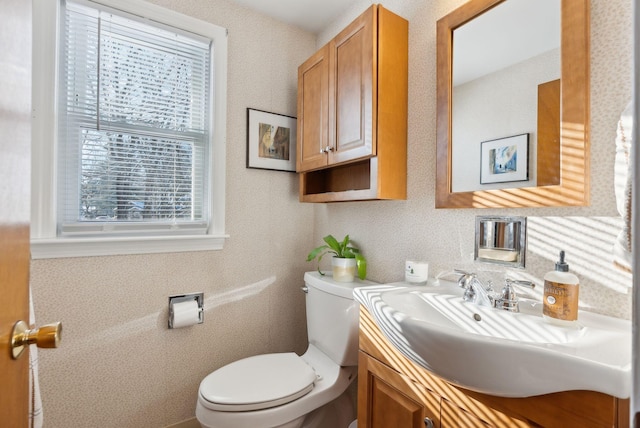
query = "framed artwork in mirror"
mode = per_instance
[
  {"x": 271, "y": 141},
  {"x": 505, "y": 159}
]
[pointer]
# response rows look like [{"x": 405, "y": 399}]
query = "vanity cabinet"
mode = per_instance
[
  {"x": 352, "y": 112},
  {"x": 395, "y": 392},
  {"x": 393, "y": 400}
]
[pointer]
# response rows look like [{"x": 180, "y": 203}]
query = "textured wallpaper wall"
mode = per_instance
[
  {"x": 119, "y": 366},
  {"x": 393, "y": 231}
]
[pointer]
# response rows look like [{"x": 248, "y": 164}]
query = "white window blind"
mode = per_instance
[{"x": 134, "y": 126}]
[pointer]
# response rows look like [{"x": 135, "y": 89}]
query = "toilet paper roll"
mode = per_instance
[{"x": 185, "y": 313}]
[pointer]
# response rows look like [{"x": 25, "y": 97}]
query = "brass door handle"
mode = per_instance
[{"x": 47, "y": 336}]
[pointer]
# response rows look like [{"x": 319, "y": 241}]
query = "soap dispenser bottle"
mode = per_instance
[{"x": 560, "y": 301}]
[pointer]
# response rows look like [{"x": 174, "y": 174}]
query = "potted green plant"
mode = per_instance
[{"x": 347, "y": 259}]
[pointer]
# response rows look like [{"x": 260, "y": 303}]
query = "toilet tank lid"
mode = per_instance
[{"x": 327, "y": 284}]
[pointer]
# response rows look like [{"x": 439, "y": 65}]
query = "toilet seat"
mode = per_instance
[{"x": 257, "y": 382}]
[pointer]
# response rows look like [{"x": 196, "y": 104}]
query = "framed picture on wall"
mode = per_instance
[
  {"x": 271, "y": 141},
  {"x": 505, "y": 159}
]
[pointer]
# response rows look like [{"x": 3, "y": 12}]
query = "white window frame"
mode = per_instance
[{"x": 45, "y": 242}]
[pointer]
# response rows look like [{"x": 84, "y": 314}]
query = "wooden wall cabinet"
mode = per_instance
[
  {"x": 352, "y": 113},
  {"x": 395, "y": 392}
]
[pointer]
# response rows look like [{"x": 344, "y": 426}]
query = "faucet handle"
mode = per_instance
[
  {"x": 465, "y": 277},
  {"x": 508, "y": 293},
  {"x": 521, "y": 282},
  {"x": 508, "y": 299}
]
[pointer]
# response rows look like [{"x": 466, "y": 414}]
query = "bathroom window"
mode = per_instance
[{"x": 136, "y": 161}]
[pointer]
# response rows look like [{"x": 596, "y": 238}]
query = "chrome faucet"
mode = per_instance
[{"x": 476, "y": 292}]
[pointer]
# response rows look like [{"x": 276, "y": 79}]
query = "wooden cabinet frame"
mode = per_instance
[{"x": 352, "y": 139}]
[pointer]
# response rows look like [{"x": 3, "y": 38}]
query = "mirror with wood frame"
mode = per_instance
[{"x": 562, "y": 173}]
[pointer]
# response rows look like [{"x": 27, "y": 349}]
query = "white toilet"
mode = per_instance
[{"x": 287, "y": 390}]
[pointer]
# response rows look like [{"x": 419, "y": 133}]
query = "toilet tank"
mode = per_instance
[{"x": 332, "y": 316}]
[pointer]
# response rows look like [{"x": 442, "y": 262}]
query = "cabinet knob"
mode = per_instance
[
  {"x": 428, "y": 423},
  {"x": 327, "y": 149}
]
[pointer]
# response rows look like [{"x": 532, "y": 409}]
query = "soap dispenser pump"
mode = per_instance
[{"x": 560, "y": 301}]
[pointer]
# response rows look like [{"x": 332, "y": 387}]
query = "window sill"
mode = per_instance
[{"x": 87, "y": 247}]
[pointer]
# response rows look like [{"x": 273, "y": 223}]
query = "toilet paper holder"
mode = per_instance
[{"x": 178, "y": 298}]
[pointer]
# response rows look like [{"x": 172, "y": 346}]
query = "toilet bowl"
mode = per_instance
[{"x": 287, "y": 390}]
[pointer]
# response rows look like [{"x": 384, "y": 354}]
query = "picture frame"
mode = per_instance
[
  {"x": 505, "y": 159},
  {"x": 271, "y": 140}
]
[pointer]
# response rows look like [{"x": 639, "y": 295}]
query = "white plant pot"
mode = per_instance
[{"x": 344, "y": 270}]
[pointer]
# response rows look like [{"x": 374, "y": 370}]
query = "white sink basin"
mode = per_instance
[
  {"x": 450, "y": 311},
  {"x": 499, "y": 352}
]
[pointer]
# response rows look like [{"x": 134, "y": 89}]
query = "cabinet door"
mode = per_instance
[
  {"x": 313, "y": 111},
  {"x": 352, "y": 90},
  {"x": 388, "y": 399}
]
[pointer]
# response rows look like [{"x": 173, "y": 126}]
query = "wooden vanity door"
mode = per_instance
[{"x": 388, "y": 399}]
